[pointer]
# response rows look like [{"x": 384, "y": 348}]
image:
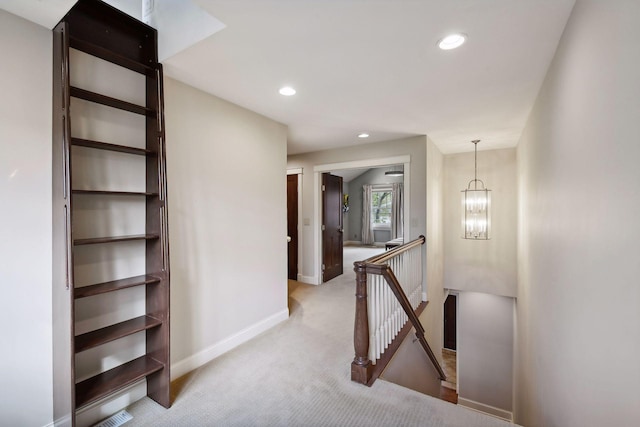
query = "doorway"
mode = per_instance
[
  {"x": 292, "y": 226},
  {"x": 450, "y": 341},
  {"x": 450, "y": 323},
  {"x": 319, "y": 170}
]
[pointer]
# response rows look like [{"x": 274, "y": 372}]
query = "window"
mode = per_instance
[{"x": 381, "y": 208}]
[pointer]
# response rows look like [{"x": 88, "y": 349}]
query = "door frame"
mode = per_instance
[
  {"x": 318, "y": 170},
  {"x": 298, "y": 171}
]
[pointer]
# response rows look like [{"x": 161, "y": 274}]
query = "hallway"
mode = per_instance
[{"x": 298, "y": 374}]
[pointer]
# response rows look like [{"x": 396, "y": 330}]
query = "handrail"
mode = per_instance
[
  {"x": 361, "y": 367},
  {"x": 384, "y": 257}
]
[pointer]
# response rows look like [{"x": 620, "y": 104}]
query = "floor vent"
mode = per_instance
[{"x": 115, "y": 420}]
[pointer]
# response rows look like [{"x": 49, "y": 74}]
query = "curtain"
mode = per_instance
[
  {"x": 397, "y": 210},
  {"x": 367, "y": 229}
]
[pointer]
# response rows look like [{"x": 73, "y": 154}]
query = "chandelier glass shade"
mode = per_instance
[{"x": 476, "y": 207}]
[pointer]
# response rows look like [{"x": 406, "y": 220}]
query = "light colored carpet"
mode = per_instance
[{"x": 298, "y": 374}]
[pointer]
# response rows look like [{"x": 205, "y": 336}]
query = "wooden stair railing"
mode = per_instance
[{"x": 362, "y": 367}]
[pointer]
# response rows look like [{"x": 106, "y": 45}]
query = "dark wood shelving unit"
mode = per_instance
[
  {"x": 110, "y": 147},
  {"x": 114, "y": 239},
  {"x": 108, "y": 101},
  {"x": 113, "y": 193},
  {"x": 114, "y": 285},
  {"x": 109, "y": 55},
  {"x": 104, "y": 32},
  {"x": 110, "y": 333},
  {"x": 108, "y": 382}
]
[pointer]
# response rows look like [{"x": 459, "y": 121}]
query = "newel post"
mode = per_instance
[{"x": 361, "y": 366}]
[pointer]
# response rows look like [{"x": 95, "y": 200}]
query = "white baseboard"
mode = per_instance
[
  {"x": 190, "y": 363},
  {"x": 309, "y": 280},
  {"x": 486, "y": 409},
  {"x": 353, "y": 243}
]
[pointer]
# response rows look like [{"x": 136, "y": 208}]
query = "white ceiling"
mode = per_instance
[{"x": 371, "y": 65}]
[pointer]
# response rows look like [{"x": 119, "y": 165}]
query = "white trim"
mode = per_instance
[
  {"x": 486, "y": 409},
  {"x": 382, "y": 227},
  {"x": 381, "y": 187},
  {"x": 300, "y": 226},
  {"x": 295, "y": 171},
  {"x": 309, "y": 280},
  {"x": 370, "y": 163},
  {"x": 59, "y": 422},
  {"x": 194, "y": 361},
  {"x": 317, "y": 197},
  {"x": 317, "y": 215}
]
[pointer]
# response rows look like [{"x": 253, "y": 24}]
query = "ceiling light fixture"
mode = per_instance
[
  {"x": 476, "y": 206},
  {"x": 287, "y": 91},
  {"x": 363, "y": 135},
  {"x": 452, "y": 41}
]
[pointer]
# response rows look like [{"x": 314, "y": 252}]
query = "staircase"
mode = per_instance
[{"x": 388, "y": 306}]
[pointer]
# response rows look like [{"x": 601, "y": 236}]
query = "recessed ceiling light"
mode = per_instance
[
  {"x": 287, "y": 91},
  {"x": 363, "y": 135},
  {"x": 452, "y": 41}
]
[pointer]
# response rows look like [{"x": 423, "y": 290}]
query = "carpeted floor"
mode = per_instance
[{"x": 298, "y": 374}]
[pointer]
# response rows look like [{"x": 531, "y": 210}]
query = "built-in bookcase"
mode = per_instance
[{"x": 111, "y": 249}]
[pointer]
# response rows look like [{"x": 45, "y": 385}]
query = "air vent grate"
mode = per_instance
[{"x": 115, "y": 420}]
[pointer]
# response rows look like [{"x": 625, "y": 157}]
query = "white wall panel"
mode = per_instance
[
  {"x": 578, "y": 294},
  {"x": 25, "y": 218}
]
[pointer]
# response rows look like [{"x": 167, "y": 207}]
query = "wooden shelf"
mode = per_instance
[
  {"x": 109, "y": 55},
  {"x": 96, "y": 240},
  {"x": 112, "y": 39},
  {"x": 113, "y": 193},
  {"x": 76, "y": 92},
  {"x": 115, "y": 285},
  {"x": 110, "y": 333},
  {"x": 115, "y": 379},
  {"x": 110, "y": 147}
]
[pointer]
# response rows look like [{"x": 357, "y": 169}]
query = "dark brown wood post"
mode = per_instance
[{"x": 361, "y": 366}]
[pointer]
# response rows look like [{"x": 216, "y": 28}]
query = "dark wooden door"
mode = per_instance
[
  {"x": 450, "y": 322},
  {"x": 292, "y": 225},
  {"x": 332, "y": 228}
]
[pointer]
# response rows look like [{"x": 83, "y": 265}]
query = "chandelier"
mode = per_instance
[{"x": 476, "y": 206}]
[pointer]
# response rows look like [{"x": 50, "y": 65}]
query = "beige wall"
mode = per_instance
[
  {"x": 487, "y": 266},
  {"x": 485, "y": 352},
  {"x": 226, "y": 169},
  {"x": 484, "y": 274},
  {"x": 25, "y": 233},
  {"x": 578, "y": 293},
  {"x": 433, "y": 314}
]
